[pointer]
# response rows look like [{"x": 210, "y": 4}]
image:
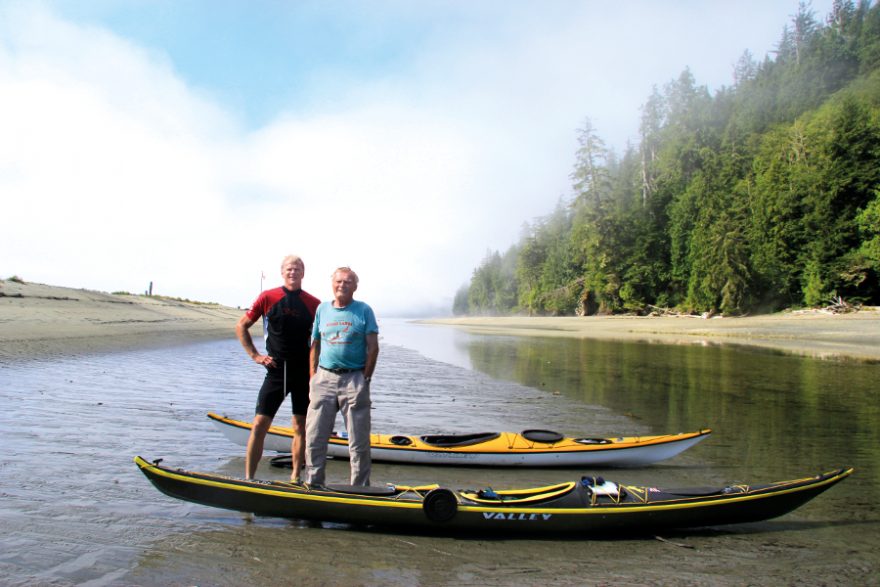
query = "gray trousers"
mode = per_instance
[{"x": 330, "y": 393}]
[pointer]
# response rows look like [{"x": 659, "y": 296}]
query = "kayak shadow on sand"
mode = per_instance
[
  {"x": 766, "y": 527},
  {"x": 749, "y": 529}
]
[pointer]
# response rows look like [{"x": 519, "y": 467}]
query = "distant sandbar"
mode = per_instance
[
  {"x": 854, "y": 335},
  {"x": 38, "y": 321}
]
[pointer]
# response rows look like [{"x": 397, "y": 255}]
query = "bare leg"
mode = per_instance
[
  {"x": 298, "y": 446},
  {"x": 255, "y": 445}
]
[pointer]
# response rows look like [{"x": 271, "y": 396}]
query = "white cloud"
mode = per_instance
[
  {"x": 115, "y": 175},
  {"x": 115, "y": 172}
]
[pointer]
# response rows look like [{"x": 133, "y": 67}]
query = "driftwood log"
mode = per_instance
[{"x": 841, "y": 306}]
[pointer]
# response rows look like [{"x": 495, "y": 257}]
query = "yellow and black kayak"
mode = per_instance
[
  {"x": 530, "y": 448},
  {"x": 589, "y": 508}
]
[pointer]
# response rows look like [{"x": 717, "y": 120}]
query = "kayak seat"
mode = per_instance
[
  {"x": 545, "y": 436},
  {"x": 401, "y": 440},
  {"x": 451, "y": 440}
]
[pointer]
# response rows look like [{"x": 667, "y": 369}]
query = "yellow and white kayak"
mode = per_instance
[{"x": 530, "y": 448}]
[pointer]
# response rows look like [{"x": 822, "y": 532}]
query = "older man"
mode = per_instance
[
  {"x": 345, "y": 346},
  {"x": 289, "y": 313}
]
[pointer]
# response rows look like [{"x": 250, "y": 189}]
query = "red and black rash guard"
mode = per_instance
[{"x": 289, "y": 317}]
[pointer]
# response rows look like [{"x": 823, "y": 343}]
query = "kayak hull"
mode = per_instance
[
  {"x": 586, "y": 508},
  {"x": 504, "y": 449}
]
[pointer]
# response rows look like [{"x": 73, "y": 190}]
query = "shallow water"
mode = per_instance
[{"x": 75, "y": 510}]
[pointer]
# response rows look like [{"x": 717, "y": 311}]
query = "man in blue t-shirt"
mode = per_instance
[{"x": 345, "y": 346}]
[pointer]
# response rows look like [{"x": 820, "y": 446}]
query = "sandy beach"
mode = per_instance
[
  {"x": 852, "y": 336},
  {"x": 77, "y": 511},
  {"x": 39, "y": 320}
]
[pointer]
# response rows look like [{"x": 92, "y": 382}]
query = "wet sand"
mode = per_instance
[
  {"x": 153, "y": 540},
  {"x": 38, "y": 321},
  {"x": 818, "y": 334}
]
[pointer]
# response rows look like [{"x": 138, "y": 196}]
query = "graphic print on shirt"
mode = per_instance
[{"x": 337, "y": 332}]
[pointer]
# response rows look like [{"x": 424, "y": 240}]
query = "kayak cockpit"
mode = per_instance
[
  {"x": 519, "y": 496},
  {"x": 453, "y": 440}
]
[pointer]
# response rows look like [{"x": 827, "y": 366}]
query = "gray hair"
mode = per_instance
[{"x": 348, "y": 270}]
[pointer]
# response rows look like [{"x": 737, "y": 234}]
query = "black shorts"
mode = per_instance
[{"x": 272, "y": 392}]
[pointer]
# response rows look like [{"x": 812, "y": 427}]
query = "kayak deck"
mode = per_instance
[
  {"x": 539, "y": 448},
  {"x": 591, "y": 507}
]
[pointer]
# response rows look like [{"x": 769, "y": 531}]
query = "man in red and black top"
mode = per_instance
[{"x": 288, "y": 314}]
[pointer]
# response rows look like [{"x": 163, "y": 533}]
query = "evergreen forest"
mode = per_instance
[{"x": 760, "y": 196}]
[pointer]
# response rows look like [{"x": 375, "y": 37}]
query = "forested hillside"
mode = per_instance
[{"x": 762, "y": 196}]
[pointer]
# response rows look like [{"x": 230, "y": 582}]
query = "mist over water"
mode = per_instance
[{"x": 75, "y": 509}]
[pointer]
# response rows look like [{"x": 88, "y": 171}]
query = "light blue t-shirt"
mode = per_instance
[{"x": 343, "y": 334}]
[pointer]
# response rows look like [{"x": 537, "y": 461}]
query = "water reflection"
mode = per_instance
[
  {"x": 439, "y": 343},
  {"x": 773, "y": 413}
]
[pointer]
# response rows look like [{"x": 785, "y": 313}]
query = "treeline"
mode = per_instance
[{"x": 762, "y": 196}]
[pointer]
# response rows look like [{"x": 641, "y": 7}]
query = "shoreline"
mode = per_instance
[
  {"x": 40, "y": 321},
  {"x": 815, "y": 334}
]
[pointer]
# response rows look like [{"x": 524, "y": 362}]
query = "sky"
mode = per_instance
[{"x": 193, "y": 144}]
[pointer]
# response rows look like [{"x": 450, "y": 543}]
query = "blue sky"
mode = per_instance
[
  {"x": 263, "y": 58},
  {"x": 193, "y": 143}
]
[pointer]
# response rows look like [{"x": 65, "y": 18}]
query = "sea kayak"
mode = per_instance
[
  {"x": 530, "y": 448},
  {"x": 588, "y": 508}
]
